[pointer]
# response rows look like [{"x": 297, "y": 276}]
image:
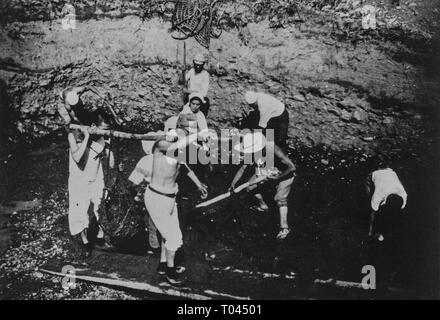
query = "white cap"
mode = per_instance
[
  {"x": 171, "y": 123},
  {"x": 72, "y": 98},
  {"x": 250, "y": 97},
  {"x": 172, "y": 135},
  {"x": 199, "y": 59},
  {"x": 196, "y": 95},
  {"x": 252, "y": 143}
]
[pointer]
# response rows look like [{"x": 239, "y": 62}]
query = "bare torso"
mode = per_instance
[{"x": 165, "y": 169}]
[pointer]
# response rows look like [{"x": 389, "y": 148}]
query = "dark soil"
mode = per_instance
[{"x": 328, "y": 213}]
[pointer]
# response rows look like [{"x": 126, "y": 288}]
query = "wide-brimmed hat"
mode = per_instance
[
  {"x": 72, "y": 98},
  {"x": 251, "y": 143}
]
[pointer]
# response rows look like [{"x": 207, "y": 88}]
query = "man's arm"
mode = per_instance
[
  {"x": 201, "y": 122},
  {"x": 78, "y": 151},
  {"x": 64, "y": 113},
  {"x": 186, "y": 77},
  {"x": 111, "y": 159},
  {"x": 183, "y": 142},
  {"x": 202, "y": 188},
  {"x": 109, "y": 153},
  {"x": 285, "y": 160},
  {"x": 238, "y": 176},
  {"x": 205, "y": 84}
]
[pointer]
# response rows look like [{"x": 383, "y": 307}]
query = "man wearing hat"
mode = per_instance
[
  {"x": 283, "y": 174},
  {"x": 191, "y": 118},
  {"x": 197, "y": 81},
  {"x": 86, "y": 184},
  {"x": 73, "y": 111},
  {"x": 271, "y": 114}
]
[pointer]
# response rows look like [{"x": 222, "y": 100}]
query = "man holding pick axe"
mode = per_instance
[
  {"x": 283, "y": 173},
  {"x": 86, "y": 184},
  {"x": 73, "y": 110}
]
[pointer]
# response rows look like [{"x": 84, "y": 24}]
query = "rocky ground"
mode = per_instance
[{"x": 353, "y": 95}]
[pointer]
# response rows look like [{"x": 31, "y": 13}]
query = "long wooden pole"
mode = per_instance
[
  {"x": 132, "y": 285},
  {"x": 228, "y": 194},
  {"x": 152, "y": 136}
]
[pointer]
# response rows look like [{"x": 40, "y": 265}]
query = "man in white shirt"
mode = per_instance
[
  {"x": 197, "y": 81},
  {"x": 194, "y": 116},
  {"x": 381, "y": 185},
  {"x": 272, "y": 115},
  {"x": 86, "y": 185}
]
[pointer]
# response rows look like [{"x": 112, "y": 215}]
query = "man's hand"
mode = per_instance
[
  {"x": 274, "y": 176},
  {"x": 86, "y": 133},
  {"x": 203, "y": 190}
]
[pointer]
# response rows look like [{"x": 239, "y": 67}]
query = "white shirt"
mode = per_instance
[
  {"x": 201, "y": 119},
  {"x": 386, "y": 183},
  {"x": 90, "y": 167},
  {"x": 198, "y": 82},
  {"x": 269, "y": 107}
]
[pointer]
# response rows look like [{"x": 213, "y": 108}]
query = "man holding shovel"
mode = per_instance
[
  {"x": 283, "y": 173},
  {"x": 86, "y": 185}
]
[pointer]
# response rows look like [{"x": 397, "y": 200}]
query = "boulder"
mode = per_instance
[{"x": 359, "y": 116}]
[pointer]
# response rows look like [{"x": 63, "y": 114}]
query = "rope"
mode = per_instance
[{"x": 194, "y": 18}]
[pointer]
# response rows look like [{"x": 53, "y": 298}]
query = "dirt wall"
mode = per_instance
[{"x": 345, "y": 89}]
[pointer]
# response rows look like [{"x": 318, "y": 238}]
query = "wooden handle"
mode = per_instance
[
  {"x": 228, "y": 194},
  {"x": 152, "y": 136}
]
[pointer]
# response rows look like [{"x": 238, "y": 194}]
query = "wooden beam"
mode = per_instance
[
  {"x": 151, "y": 136},
  {"x": 131, "y": 285},
  {"x": 228, "y": 194}
]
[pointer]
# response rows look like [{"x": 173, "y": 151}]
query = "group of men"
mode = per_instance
[{"x": 158, "y": 170}]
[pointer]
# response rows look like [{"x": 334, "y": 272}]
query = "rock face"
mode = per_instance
[{"x": 335, "y": 87}]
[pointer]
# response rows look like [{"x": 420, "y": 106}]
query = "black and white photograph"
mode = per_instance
[{"x": 241, "y": 151}]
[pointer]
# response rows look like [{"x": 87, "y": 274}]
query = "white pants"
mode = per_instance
[
  {"x": 163, "y": 212},
  {"x": 80, "y": 197}
]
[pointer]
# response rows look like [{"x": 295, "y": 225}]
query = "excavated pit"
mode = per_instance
[{"x": 352, "y": 99}]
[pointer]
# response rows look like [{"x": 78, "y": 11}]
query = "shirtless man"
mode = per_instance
[{"x": 160, "y": 199}]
